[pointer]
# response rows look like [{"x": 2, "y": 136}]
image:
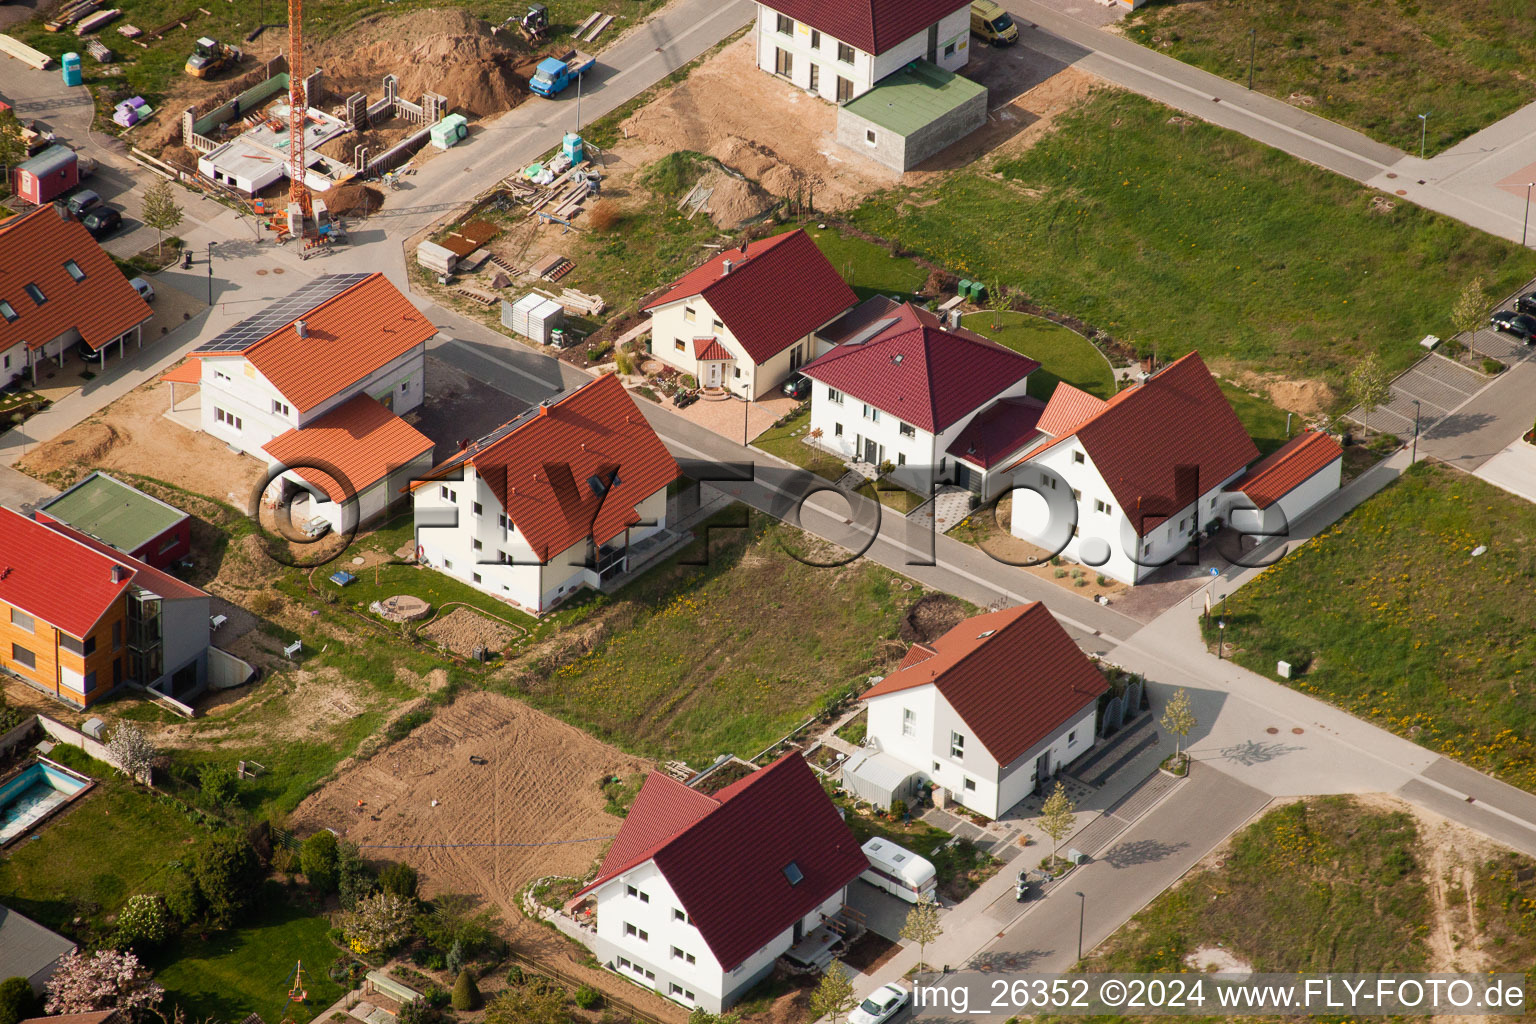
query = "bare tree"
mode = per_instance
[
  {"x": 1369, "y": 387},
  {"x": 1057, "y": 817},
  {"x": 1467, "y": 313},
  {"x": 1179, "y": 718},
  {"x": 833, "y": 997},
  {"x": 161, "y": 211},
  {"x": 922, "y": 924},
  {"x": 131, "y": 751}
]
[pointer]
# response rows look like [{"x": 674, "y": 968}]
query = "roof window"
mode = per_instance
[
  {"x": 988, "y": 633},
  {"x": 7, "y": 311},
  {"x": 793, "y": 873},
  {"x": 74, "y": 270},
  {"x": 36, "y": 293}
]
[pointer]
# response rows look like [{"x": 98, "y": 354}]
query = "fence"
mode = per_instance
[
  {"x": 572, "y": 982},
  {"x": 17, "y": 736}
]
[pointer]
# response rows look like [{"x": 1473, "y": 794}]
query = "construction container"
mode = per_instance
[
  {"x": 70, "y": 63},
  {"x": 46, "y": 176},
  {"x": 437, "y": 258},
  {"x": 451, "y": 130},
  {"x": 573, "y": 147},
  {"x": 533, "y": 316}
]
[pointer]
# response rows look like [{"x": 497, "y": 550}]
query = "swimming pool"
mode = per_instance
[{"x": 37, "y": 792}]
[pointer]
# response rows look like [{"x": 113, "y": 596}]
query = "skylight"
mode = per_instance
[
  {"x": 7, "y": 311},
  {"x": 793, "y": 873},
  {"x": 36, "y": 293},
  {"x": 988, "y": 633},
  {"x": 74, "y": 270}
]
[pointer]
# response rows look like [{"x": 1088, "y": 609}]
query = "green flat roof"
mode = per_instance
[
  {"x": 113, "y": 512},
  {"x": 913, "y": 97}
]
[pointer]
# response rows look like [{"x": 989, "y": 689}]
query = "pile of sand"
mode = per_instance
[
  {"x": 444, "y": 51},
  {"x": 734, "y": 201},
  {"x": 353, "y": 200}
]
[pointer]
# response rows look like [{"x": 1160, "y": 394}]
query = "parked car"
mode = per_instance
[
  {"x": 101, "y": 221},
  {"x": 87, "y": 353},
  {"x": 1521, "y": 325},
  {"x": 82, "y": 201},
  {"x": 1526, "y": 303},
  {"x": 883, "y": 1004},
  {"x": 144, "y": 288},
  {"x": 798, "y": 386}
]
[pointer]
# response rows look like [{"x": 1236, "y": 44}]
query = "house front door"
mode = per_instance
[
  {"x": 1042, "y": 771},
  {"x": 796, "y": 358},
  {"x": 871, "y": 452},
  {"x": 713, "y": 374},
  {"x": 799, "y": 932},
  {"x": 933, "y": 43}
]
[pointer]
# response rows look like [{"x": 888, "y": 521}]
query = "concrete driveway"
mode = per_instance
[{"x": 1513, "y": 469}]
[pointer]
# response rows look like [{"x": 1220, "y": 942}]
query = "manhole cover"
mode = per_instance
[
  {"x": 261, "y": 273},
  {"x": 359, "y": 560},
  {"x": 1402, "y": 191},
  {"x": 277, "y": 270},
  {"x": 1298, "y": 730},
  {"x": 1271, "y": 730}
]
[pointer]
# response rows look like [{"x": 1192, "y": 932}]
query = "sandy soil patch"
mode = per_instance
[
  {"x": 462, "y": 630},
  {"x": 133, "y": 435},
  {"x": 1221, "y": 961},
  {"x": 1307, "y": 397}
]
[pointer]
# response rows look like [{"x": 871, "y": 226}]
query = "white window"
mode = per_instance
[
  {"x": 970, "y": 785},
  {"x": 405, "y": 386},
  {"x": 956, "y": 746},
  {"x": 638, "y": 933},
  {"x": 1077, "y": 495},
  {"x": 936, "y": 767},
  {"x": 1079, "y": 458},
  {"x": 476, "y": 508},
  {"x": 689, "y": 314},
  {"x": 815, "y": 85},
  {"x": 908, "y": 722},
  {"x": 718, "y": 326},
  {"x": 786, "y": 24},
  {"x": 869, "y": 136},
  {"x": 1146, "y": 550},
  {"x": 679, "y": 346},
  {"x": 837, "y": 430},
  {"x": 1072, "y": 738},
  {"x": 1103, "y": 506},
  {"x": 871, "y": 413},
  {"x": 949, "y": 48},
  {"x": 835, "y": 397},
  {"x": 636, "y": 894},
  {"x": 908, "y": 430},
  {"x": 1048, "y": 480},
  {"x": 476, "y": 544},
  {"x": 901, "y": 459},
  {"x": 447, "y": 495},
  {"x": 447, "y": 564},
  {"x": 221, "y": 375},
  {"x": 281, "y": 408},
  {"x": 845, "y": 54},
  {"x": 501, "y": 520},
  {"x": 678, "y": 914},
  {"x": 678, "y": 954},
  {"x": 229, "y": 419},
  {"x": 22, "y": 621},
  {"x": 476, "y": 577},
  {"x": 815, "y": 39}
]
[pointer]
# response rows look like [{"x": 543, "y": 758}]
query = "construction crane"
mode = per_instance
[{"x": 298, "y": 117}]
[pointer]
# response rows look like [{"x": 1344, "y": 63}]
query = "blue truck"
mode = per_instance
[{"x": 555, "y": 73}]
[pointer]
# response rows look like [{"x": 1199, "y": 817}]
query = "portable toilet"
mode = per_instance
[
  {"x": 70, "y": 62},
  {"x": 573, "y": 147}
]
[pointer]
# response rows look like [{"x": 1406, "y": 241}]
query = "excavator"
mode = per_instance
[
  {"x": 210, "y": 57},
  {"x": 534, "y": 25}
]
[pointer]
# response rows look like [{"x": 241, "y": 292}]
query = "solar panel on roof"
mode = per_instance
[{"x": 282, "y": 312}]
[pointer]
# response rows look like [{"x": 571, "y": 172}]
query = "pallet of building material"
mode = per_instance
[
  {"x": 24, "y": 53},
  {"x": 97, "y": 21},
  {"x": 474, "y": 294},
  {"x": 597, "y": 29},
  {"x": 130, "y": 31},
  {"x": 503, "y": 264},
  {"x": 470, "y": 237},
  {"x": 174, "y": 24},
  {"x": 553, "y": 268},
  {"x": 98, "y": 51},
  {"x": 590, "y": 20},
  {"x": 581, "y": 302},
  {"x": 70, "y": 13}
]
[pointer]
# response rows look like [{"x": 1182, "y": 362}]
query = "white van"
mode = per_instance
[{"x": 899, "y": 872}]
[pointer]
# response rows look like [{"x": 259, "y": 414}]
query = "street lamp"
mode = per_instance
[
  {"x": 1253, "y": 50},
  {"x": 210, "y": 271},
  {"x": 1423, "y": 128},
  {"x": 1221, "y": 633},
  {"x": 1415, "y": 457},
  {"x": 1082, "y": 910},
  {"x": 1523, "y": 224}
]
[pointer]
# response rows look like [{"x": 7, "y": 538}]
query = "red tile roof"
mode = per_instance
[
  {"x": 1283, "y": 470},
  {"x": 710, "y": 348},
  {"x": 1013, "y": 677},
  {"x": 188, "y": 371},
  {"x": 33, "y": 250},
  {"x": 1145, "y": 438},
  {"x": 360, "y": 439},
  {"x": 726, "y": 861},
  {"x": 922, "y": 374},
  {"x": 349, "y": 336},
  {"x": 998, "y": 431},
  {"x": 64, "y": 578},
  {"x": 1068, "y": 407},
  {"x": 873, "y": 26},
  {"x": 540, "y": 466},
  {"x": 779, "y": 290}
]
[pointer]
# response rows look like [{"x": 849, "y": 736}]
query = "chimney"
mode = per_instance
[
  {"x": 302, "y": 328},
  {"x": 725, "y": 268},
  {"x": 119, "y": 573},
  {"x": 63, "y": 212}
]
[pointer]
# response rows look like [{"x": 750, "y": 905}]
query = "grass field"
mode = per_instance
[
  {"x": 1120, "y": 217},
  {"x": 1265, "y": 423},
  {"x": 1374, "y": 66},
  {"x": 1063, "y": 354},
  {"x": 868, "y": 268},
  {"x": 1320, "y": 885},
  {"x": 1398, "y": 623},
  {"x": 726, "y": 657}
]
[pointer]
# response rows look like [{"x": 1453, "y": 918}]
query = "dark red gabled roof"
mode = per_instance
[
  {"x": 553, "y": 468},
  {"x": 1283, "y": 470},
  {"x": 920, "y": 373},
  {"x": 778, "y": 290},
  {"x": 1147, "y": 441},
  {"x": 873, "y": 26},
  {"x": 1013, "y": 677},
  {"x": 725, "y": 862},
  {"x": 145, "y": 576},
  {"x": 998, "y": 431},
  {"x": 710, "y": 349}
]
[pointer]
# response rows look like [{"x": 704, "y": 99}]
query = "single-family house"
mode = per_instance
[
  {"x": 989, "y": 711},
  {"x": 131, "y": 521},
  {"x": 1124, "y": 485},
  {"x": 1285, "y": 485},
  {"x": 28, "y": 950},
  {"x": 700, "y": 894},
  {"x": 78, "y": 619},
  {"x": 839, "y": 49},
  {"x": 898, "y": 386},
  {"x": 58, "y": 287},
  {"x": 747, "y": 318},
  {"x": 569, "y": 494},
  {"x": 314, "y": 385}
]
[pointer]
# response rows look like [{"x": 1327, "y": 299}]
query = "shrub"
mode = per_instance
[
  {"x": 420, "y": 1011},
  {"x": 898, "y": 808},
  {"x": 514, "y": 975},
  {"x": 144, "y": 921},
  {"x": 436, "y": 997},
  {"x": 604, "y": 215},
  {"x": 217, "y": 783},
  {"x": 104, "y": 980},
  {"x": 16, "y": 1000},
  {"x": 285, "y": 861},
  {"x": 622, "y": 363},
  {"x": 465, "y": 995},
  {"x": 399, "y": 879},
  {"x": 1492, "y": 366},
  {"x": 454, "y": 961},
  {"x": 354, "y": 879},
  {"x": 587, "y": 997},
  {"x": 263, "y": 603},
  {"x": 1058, "y": 573},
  {"x": 597, "y": 352},
  {"x": 1080, "y": 581},
  {"x": 317, "y": 859},
  {"x": 688, "y": 381},
  {"x": 182, "y": 897},
  {"x": 1102, "y": 580},
  {"x": 379, "y": 924},
  {"x": 228, "y": 876}
]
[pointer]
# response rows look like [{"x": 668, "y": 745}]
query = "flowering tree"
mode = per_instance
[
  {"x": 380, "y": 923},
  {"x": 104, "y": 980},
  {"x": 131, "y": 751}
]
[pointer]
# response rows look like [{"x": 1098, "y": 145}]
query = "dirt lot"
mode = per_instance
[
  {"x": 540, "y": 786},
  {"x": 462, "y": 630},
  {"x": 133, "y": 435}
]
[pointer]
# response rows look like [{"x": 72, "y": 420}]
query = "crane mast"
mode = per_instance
[{"x": 298, "y": 112}]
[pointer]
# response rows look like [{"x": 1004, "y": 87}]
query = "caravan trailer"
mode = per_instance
[{"x": 899, "y": 872}]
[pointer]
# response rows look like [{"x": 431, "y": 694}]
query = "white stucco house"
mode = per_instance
[
  {"x": 565, "y": 496},
  {"x": 700, "y": 894},
  {"x": 1124, "y": 485},
  {"x": 937, "y": 403},
  {"x": 747, "y": 318},
  {"x": 1285, "y": 485},
  {"x": 839, "y": 49},
  {"x": 314, "y": 386},
  {"x": 989, "y": 711}
]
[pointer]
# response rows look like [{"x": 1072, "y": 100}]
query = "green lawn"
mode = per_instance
[
  {"x": 1063, "y": 354},
  {"x": 1398, "y": 623},
  {"x": 701, "y": 660},
  {"x": 869, "y": 269},
  {"x": 1265, "y": 423},
  {"x": 249, "y": 969},
  {"x": 1372, "y": 66},
  {"x": 1324, "y": 884},
  {"x": 783, "y": 441},
  {"x": 1173, "y": 237}
]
